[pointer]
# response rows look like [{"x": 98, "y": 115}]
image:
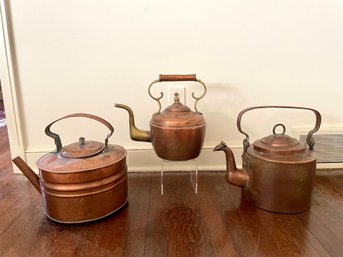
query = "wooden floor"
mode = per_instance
[{"x": 214, "y": 222}]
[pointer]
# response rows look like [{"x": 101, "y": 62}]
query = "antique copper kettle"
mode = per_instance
[
  {"x": 278, "y": 171},
  {"x": 177, "y": 133},
  {"x": 82, "y": 181}
]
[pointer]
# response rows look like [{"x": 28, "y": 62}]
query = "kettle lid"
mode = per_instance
[
  {"x": 279, "y": 144},
  {"x": 56, "y": 163},
  {"x": 82, "y": 149},
  {"x": 177, "y": 115},
  {"x": 177, "y": 106}
]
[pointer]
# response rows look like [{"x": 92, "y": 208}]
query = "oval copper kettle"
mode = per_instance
[
  {"x": 82, "y": 181},
  {"x": 278, "y": 171},
  {"x": 177, "y": 133}
]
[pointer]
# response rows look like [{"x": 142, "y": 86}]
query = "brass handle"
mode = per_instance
[
  {"x": 57, "y": 138},
  {"x": 309, "y": 140},
  {"x": 177, "y": 77}
]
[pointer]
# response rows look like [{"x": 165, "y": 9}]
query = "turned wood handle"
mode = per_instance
[{"x": 177, "y": 77}]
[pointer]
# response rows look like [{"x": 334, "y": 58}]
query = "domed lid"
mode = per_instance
[
  {"x": 177, "y": 115},
  {"x": 279, "y": 144},
  {"x": 82, "y": 149},
  {"x": 56, "y": 163}
]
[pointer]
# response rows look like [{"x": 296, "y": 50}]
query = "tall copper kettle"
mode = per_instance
[
  {"x": 177, "y": 133},
  {"x": 82, "y": 181},
  {"x": 278, "y": 171}
]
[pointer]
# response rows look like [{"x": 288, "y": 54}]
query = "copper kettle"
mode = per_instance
[
  {"x": 82, "y": 181},
  {"x": 278, "y": 171},
  {"x": 177, "y": 133}
]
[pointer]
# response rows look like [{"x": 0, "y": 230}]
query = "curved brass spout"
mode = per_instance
[
  {"x": 135, "y": 133},
  {"x": 234, "y": 176}
]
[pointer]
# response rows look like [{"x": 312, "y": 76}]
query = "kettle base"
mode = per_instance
[
  {"x": 89, "y": 220},
  {"x": 285, "y": 207}
]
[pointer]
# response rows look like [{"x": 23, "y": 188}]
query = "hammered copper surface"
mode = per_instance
[
  {"x": 284, "y": 187},
  {"x": 278, "y": 171}
]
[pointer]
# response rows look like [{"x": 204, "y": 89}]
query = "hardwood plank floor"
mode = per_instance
[{"x": 214, "y": 222}]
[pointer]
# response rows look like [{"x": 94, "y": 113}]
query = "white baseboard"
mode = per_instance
[{"x": 145, "y": 160}]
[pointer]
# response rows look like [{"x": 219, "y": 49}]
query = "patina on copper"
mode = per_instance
[
  {"x": 177, "y": 133},
  {"x": 278, "y": 171},
  {"x": 80, "y": 182}
]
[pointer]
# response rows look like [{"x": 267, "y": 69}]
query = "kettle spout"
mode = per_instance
[
  {"x": 28, "y": 172},
  {"x": 135, "y": 133},
  {"x": 234, "y": 176}
]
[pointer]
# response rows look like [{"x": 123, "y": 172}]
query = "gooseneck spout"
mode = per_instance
[
  {"x": 234, "y": 176},
  {"x": 28, "y": 172},
  {"x": 135, "y": 133}
]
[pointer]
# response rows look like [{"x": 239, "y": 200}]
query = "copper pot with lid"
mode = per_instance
[
  {"x": 278, "y": 171},
  {"x": 82, "y": 181},
  {"x": 177, "y": 133}
]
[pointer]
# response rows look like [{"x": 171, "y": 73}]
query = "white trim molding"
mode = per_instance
[
  {"x": 145, "y": 159},
  {"x": 9, "y": 87}
]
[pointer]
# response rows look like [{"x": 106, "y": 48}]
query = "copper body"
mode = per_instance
[
  {"x": 177, "y": 133},
  {"x": 178, "y": 145},
  {"x": 82, "y": 189},
  {"x": 278, "y": 171},
  {"x": 284, "y": 187}
]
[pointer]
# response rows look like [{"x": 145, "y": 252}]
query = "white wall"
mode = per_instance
[{"x": 83, "y": 56}]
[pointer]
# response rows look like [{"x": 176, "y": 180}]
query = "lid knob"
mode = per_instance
[
  {"x": 283, "y": 129},
  {"x": 176, "y": 97},
  {"x": 82, "y": 140}
]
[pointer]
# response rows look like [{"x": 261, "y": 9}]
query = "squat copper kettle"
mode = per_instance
[
  {"x": 177, "y": 133},
  {"x": 278, "y": 171}
]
